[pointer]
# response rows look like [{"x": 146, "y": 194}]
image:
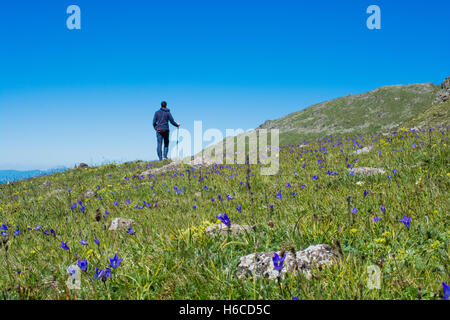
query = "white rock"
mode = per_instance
[{"x": 261, "y": 265}]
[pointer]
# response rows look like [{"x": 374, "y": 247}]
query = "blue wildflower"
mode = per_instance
[
  {"x": 224, "y": 219},
  {"x": 115, "y": 261},
  {"x": 278, "y": 261},
  {"x": 82, "y": 264},
  {"x": 406, "y": 221}
]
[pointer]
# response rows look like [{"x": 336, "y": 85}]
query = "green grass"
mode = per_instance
[{"x": 170, "y": 257}]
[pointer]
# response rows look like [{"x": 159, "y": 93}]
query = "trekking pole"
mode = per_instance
[{"x": 178, "y": 129}]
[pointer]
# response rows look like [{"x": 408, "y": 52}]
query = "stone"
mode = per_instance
[
  {"x": 363, "y": 150},
  {"x": 121, "y": 223},
  {"x": 220, "y": 228},
  {"x": 367, "y": 171},
  {"x": 260, "y": 264},
  {"x": 81, "y": 166},
  {"x": 88, "y": 194}
]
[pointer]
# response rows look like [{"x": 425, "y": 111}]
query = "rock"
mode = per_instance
[
  {"x": 260, "y": 264},
  {"x": 363, "y": 150},
  {"x": 88, "y": 194},
  {"x": 444, "y": 94},
  {"x": 121, "y": 223},
  {"x": 367, "y": 171},
  {"x": 81, "y": 166},
  {"x": 223, "y": 229}
]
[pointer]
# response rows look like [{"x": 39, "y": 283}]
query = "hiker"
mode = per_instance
[{"x": 161, "y": 125}]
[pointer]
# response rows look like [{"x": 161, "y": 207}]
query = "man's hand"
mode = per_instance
[{"x": 178, "y": 123}]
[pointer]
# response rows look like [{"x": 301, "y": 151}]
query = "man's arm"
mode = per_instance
[{"x": 173, "y": 121}]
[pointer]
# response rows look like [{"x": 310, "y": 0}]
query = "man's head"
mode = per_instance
[{"x": 163, "y": 104}]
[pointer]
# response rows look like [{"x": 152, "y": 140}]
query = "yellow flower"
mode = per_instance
[
  {"x": 435, "y": 244},
  {"x": 386, "y": 234},
  {"x": 32, "y": 252},
  {"x": 380, "y": 240},
  {"x": 353, "y": 230}
]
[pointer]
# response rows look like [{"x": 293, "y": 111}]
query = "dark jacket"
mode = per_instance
[{"x": 162, "y": 118}]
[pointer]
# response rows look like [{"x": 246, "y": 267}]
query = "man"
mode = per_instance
[{"x": 161, "y": 125}]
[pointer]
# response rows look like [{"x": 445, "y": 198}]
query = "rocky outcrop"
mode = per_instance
[
  {"x": 81, "y": 166},
  {"x": 444, "y": 94},
  {"x": 261, "y": 265}
]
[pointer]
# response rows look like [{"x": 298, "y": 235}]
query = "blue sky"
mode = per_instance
[{"x": 69, "y": 96}]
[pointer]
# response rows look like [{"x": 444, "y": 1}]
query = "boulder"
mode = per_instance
[
  {"x": 260, "y": 264},
  {"x": 81, "y": 166},
  {"x": 121, "y": 223}
]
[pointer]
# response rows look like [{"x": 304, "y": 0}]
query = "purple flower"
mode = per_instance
[
  {"x": 406, "y": 221},
  {"x": 446, "y": 288},
  {"x": 97, "y": 241},
  {"x": 315, "y": 177},
  {"x": 83, "y": 242},
  {"x": 366, "y": 192},
  {"x": 224, "y": 219},
  {"x": 102, "y": 274},
  {"x": 130, "y": 231},
  {"x": 239, "y": 209},
  {"x": 116, "y": 203},
  {"x": 82, "y": 264},
  {"x": 278, "y": 261},
  {"x": 73, "y": 206},
  {"x": 278, "y": 195},
  {"x": 376, "y": 219},
  {"x": 295, "y": 298},
  {"x": 16, "y": 232},
  {"x": 115, "y": 261},
  {"x": 64, "y": 245},
  {"x": 288, "y": 185},
  {"x": 382, "y": 208},
  {"x": 127, "y": 202},
  {"x": 194, "y": 207},
  {"x": 354, "y": 210}
]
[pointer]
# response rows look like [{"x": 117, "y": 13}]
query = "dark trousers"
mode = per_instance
[{"x": 160, "y": 136}]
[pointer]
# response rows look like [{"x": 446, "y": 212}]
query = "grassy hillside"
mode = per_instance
[
  {"x": 379, "y": 110},
  {"x": 167, "y": 254},
  {"x": 437, "y": 114}
]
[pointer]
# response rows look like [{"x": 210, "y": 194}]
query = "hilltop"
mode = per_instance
[{"x": 379, "y": 110}]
